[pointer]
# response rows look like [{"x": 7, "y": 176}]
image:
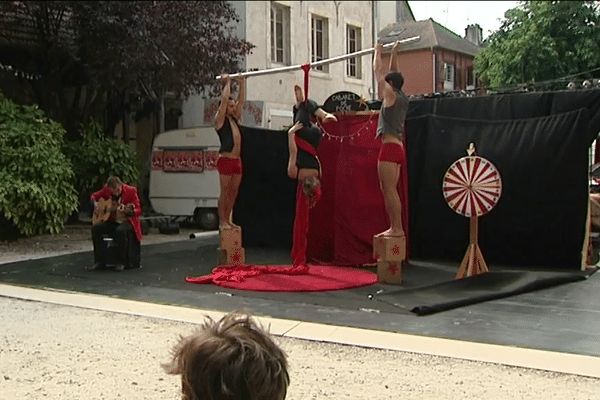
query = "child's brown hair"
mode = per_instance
[{"x": 230, "y": 359}]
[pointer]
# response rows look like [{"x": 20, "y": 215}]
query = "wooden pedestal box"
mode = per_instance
[
  {"x": 389, "y": 272},
  {"x": 231, "y": 256},
  {"x": 388, "y": 248},
  {"x": 230, "y": 238}
]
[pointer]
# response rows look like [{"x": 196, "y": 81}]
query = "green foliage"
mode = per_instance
[
  {"x": 89, "y": 56},
  {"x": 96, "y": 157},
  {"x": 36, "y": 193},
  {"x": 541, "y": 41}
]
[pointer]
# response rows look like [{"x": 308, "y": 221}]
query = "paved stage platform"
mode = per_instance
[{"x": 559, "y": 319}]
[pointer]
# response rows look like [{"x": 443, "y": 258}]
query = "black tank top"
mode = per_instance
[
  {"x": 226, "y": 135},
  {"x": 313, "y": 136}
]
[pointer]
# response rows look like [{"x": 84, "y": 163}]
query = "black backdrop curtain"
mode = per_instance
[
  {"x": 267, "y": 197},
  {"x": 540, "y": 217},
  {"x": 513, "y": 106},
  {"x": 538, "y": 141}
]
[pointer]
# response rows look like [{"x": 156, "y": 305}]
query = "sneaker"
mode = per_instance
[{"x": 119, "y": 267}]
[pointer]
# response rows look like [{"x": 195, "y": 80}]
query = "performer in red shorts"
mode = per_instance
[
  {"x": 391, "y": 128},
  {"x": 229, "y": 163},
  {"x": 303, "y": 140}
]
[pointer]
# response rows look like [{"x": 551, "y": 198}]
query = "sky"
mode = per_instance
[{"x": 456, "y": 15}]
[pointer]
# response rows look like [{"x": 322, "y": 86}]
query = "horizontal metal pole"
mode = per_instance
[
  {"x": 198, "y": 235},
  {"x": 318, "y": 63},
  {"x": 361, "y": 52}
]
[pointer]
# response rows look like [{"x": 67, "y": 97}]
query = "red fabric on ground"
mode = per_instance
[
  {"x": 351, "y": 210},
  {"x": 313, "y": 278},
  {"x": 300, "y": 228}
]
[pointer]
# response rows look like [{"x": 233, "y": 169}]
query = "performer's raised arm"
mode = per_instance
[
  {"x": 225, "y": 96},
  {"x": 239, "y": 108},
  {"x": 378, "y": 67},
  {"x": 393, "y": 64},
  {"x": 292, "y": 169}
]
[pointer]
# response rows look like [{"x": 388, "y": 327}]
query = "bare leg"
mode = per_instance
[
  {"x": 235, "y": 186},
  {"x": 225, "y": 182},
  {"x": 298, "y": 94},
  {"x": 595, "y": 210},
  {"x": 325, "y": 116},
  {"x": 389, "y": 174}
]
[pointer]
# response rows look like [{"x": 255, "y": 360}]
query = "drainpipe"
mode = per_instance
[{"x": 434, "y": 70}]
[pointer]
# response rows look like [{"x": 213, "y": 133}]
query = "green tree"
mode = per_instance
[
  {"x": 541, "y": 41},
  {"x": 90, "y": 59}
]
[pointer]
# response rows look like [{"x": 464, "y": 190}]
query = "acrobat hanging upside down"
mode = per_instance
[{"x": 303, "y": 140}]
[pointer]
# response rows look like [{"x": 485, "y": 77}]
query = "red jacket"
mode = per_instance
[{"x": 129, "y": 195}]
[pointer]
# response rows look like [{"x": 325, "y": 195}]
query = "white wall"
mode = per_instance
[
  {"x": 276, "y": 90},
  {"x": 386, "y": 11}
]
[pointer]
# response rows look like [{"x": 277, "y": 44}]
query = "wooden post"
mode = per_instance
[{"x": 473, "y": 262}]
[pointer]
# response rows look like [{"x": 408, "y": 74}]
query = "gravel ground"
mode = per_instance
[
  {"x": 61, "y": 352},
  {"x": 74, "y": 238}
]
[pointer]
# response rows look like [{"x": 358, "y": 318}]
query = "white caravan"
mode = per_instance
[{"x": 184, "y": 180}]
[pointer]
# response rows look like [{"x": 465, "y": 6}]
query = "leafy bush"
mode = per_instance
[
  {"x": 96, "y": 157},
  {"x": 37, "y": 192}
]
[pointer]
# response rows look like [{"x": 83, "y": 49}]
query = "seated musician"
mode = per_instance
[{"x": 118, "y": 220}]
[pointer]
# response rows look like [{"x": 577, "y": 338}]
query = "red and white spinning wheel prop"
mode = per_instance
[{"x": 472, "y": 187}]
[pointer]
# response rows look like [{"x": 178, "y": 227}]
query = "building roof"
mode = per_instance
[
  {"x": 19, "y": 28},
  {"x": 432, "y": 35},
  {"x": 404, "y": 12}
]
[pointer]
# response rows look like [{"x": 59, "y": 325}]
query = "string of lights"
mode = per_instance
[
  {"x": 562, "y": 79},
  {"x": 366, "y": 127}
]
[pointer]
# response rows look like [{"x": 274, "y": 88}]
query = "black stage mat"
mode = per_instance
[
  {"x": 562, "y": 318},
  {"x": 427, "y": 288},
  {"x": 493, "y": 285}
]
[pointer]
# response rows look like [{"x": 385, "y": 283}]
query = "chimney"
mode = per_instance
[
  {"x": 473, "y": 33},
  {"x": 403, "y": 12}
]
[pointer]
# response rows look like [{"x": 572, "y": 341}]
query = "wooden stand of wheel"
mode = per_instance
[
  {"x": 473, "y": 263},
  {"x": 230, "y": 251}
]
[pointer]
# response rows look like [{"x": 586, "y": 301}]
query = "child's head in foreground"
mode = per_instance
[{"x": 230, "y": 359}]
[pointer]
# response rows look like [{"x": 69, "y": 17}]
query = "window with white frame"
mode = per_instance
[
  {"x": 280, "y": 34},
  {"x": 319, "y": 41},
  {"x": 353, "y": 40},
  {"x": 448, "y": 76},
  {"x": 470, "y": 78}
]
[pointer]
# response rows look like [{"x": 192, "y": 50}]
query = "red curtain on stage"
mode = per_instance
[{"x": 351, "y": 209}]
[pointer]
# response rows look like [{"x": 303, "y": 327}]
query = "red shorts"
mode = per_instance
[
  {"x": 392, "y": 152},
  {"x": 229, "y": 166}
]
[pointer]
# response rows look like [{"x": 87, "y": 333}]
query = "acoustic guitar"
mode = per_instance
[{"x": 108, "y": 206}]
